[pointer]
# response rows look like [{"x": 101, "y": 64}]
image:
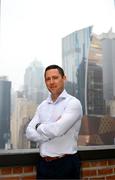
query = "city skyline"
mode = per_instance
[
  {"x": 34, "y": 29},
  {"x": 85, "y": 54}
]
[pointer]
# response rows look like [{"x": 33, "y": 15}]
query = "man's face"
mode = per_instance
[{"x": 54, "y": 81}]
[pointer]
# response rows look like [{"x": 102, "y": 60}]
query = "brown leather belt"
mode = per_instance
[{"x": 48, "y": 158}]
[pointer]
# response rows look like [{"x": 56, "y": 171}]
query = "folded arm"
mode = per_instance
[
  {"x": 71, "y": 115},
  {"x": 31, "y": 131}
]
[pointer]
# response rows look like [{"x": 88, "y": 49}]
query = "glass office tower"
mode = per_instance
[
  {"x": 5, "y": 105},
  {"x": 75, "y": 48},
  {"x": 88, "y": 61}
]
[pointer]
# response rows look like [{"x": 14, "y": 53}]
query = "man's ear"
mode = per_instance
[{"x": 64, "y": 77}]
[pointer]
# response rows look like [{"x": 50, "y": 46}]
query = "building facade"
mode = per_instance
[
  {"x": 88, "y": 61},
  {"x": 34, "y": 87},
  {"x": 5, "y": 107},
  {"x": 75, "y": 48},
  {"x": 108, "y": 48},
  {"x": 23, "y": 112}
]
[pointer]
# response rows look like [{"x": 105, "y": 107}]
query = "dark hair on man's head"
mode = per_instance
[{"x": 54, "y": 66}]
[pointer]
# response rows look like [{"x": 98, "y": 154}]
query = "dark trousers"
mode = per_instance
[{"x": 67, "y": 167}]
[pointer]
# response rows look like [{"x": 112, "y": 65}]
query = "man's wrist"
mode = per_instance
[{"x": 37, "y": 126}]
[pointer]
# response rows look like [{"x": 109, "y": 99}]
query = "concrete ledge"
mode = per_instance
[{"x": 29, "y": 156}]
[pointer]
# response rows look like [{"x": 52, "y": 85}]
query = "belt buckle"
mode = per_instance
[{"x": 49, "y": 159}]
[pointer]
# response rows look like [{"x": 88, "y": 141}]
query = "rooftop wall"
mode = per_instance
[{"x": 95, "y": 163}]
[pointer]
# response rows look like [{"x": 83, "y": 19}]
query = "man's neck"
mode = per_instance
[{"x": 54, "y": 97}]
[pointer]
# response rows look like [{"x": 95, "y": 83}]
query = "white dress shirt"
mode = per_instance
[{"x": 60, "y": 123}]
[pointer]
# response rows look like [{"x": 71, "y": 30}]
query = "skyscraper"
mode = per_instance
[
  {"x": 75, "y": 49},
  {"x": 108, "y": 47},
  {"x": 82, "y": 62},
  {"x": 95, "y": 99},
  {"x": 5, "y": 106},
  {"x": 34, "y": 83},
  {"x": 22, "y": 113}
]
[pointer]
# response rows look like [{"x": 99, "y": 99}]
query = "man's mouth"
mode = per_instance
[{"x": 53, "y": 87}]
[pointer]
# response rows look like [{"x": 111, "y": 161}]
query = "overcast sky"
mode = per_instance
[{"x": 34, "y": 29}]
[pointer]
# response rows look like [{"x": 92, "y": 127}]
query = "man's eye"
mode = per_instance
[
  {"x": 47, "y": 79},
  {"x": 55, "y": 77}
]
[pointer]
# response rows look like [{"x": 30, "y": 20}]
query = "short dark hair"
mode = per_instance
[{"x": 54, "y": 66}]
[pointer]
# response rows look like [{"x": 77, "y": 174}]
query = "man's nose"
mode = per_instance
[{"x": 51, "y": 80}]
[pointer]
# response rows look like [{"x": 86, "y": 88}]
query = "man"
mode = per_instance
[{"x": 55, "y": 127}]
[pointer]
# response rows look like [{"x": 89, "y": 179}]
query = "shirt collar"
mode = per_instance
[{"x": 63, "y": 95}]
